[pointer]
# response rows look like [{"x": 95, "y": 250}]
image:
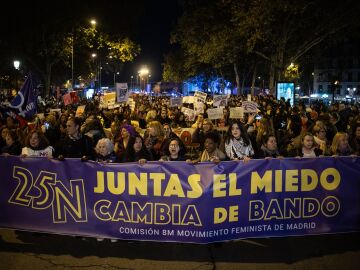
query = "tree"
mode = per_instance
[
  {"x": 241, "y": 32},
  {"x": 205, "y": 33},
  {"x": 44, "y": 38},
  {"x": 287, "y": 30}
]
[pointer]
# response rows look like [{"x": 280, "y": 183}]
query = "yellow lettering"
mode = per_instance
[
  {"x": 137, "y": 184},
  {"x": 174, "y": 187},
  {"x": 291, "y": 180},
  {"x": 233, "y": 191},
  {"x": 219, "y": 185},
  {"x": 194, "y": 182},
  {"x": 313, "y": 180},
  {"x": 100, "y": 182},
  {"x": 324, "y": 179},
  {"x": 259, "y": 183},
  {"x": 157, "y": 178},
  {"x": 220, "y": 215}
]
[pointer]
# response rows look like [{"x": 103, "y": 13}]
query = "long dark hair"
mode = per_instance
[
  {"x": 243, "y": 133},
  {"x": 143, "y": 153}
]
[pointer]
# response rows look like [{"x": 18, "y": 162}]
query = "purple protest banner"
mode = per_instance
[{"x": 176, "y": 201}]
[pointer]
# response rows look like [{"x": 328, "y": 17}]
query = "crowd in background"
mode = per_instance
[{"x": 154, "y": 131}]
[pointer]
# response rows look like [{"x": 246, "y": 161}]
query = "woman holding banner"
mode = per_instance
[
  {"x": 36, "y": 144},
  {"x": 212, "y": 153},
  {"x": 237, "y": 143}
]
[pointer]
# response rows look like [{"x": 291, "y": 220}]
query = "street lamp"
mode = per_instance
[
  {"x": 131, "y": 82},
  {"x": 17, "y": 67},
  {"x": 17, "y": 64},
  {"x": 115, "y": 73},
  {"x": 93, "y": 56},
  {"x": 144, "y": 71},
  {"x": 93, "y": 23}
]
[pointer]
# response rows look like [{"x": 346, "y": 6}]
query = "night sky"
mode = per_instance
[{"x": 147, "y": 23}]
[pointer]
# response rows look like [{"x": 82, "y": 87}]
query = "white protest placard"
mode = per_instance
[
  {"x": 122, "y": 92},
  {"x": 189, "y": 114},
  {"x": 249, "y": 97},
  {"x": 216, "y": 113},
  {"x": 176, "y": 101},
  {"x": 220, "y": 100},
  {"x": 249, "y": 106},
  {"x": 188, "y": 99},
  {"x": 200, "y": 96},
  {"x": 236, "y": 113},
  {"x": 199, "y": 107}
]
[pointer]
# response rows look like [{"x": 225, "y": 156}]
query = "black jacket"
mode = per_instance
[{"x": 70, "y": 148}]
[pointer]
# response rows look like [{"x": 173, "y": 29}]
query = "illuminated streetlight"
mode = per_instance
[
  {"x": 143, "y": 72},
  {"x": 93, "y": 23},
  {"x": 115, "y": 73},
  {"x": 17, "y": 64},
  {"x": 17, "y": 67}
]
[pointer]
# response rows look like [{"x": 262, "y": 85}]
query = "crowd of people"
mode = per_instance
[{"x": 152, "y": 131}]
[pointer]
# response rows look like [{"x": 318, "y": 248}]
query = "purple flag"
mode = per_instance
[{"x": 25, "y": 103}]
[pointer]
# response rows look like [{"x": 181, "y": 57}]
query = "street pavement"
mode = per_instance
[{"x": 26, "y": 250}]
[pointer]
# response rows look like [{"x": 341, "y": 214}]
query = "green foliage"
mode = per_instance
[{"x": 292, "y": 72}]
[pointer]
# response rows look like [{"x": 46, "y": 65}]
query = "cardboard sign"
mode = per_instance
[
  {"x": 122, "y": 92},
  {"x": 236, "y": 113},
  {"x": 220, "y": 100},
  {"x": 189, "y": 114},
  {"x": 176, "y": 101},
  {"x": 80, "y": 110},
  {"x": 249, "y": 106},
  {"x": 199, "y": 107},
  {"x": 200, "y": 96},
  {"x": 109, "y": 97},
  {"x": 188, "y": 99},
  {"x": 216, "y": 113}
]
